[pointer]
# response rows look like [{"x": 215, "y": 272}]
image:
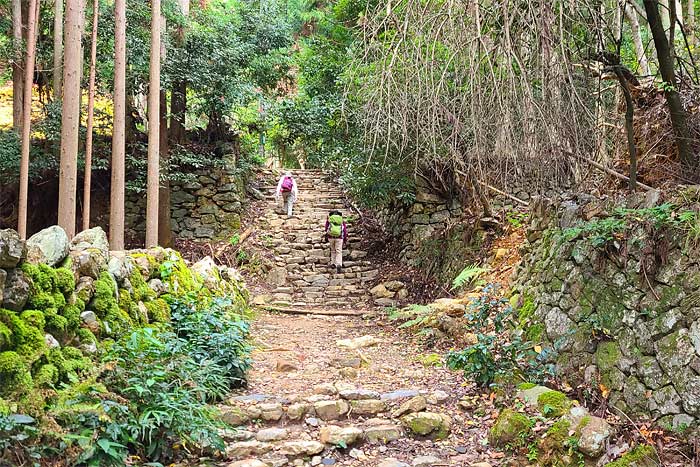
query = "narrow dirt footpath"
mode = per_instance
[{"x": 313, "y": 399}]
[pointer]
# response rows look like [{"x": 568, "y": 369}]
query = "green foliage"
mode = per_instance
[
  {"x": 414, "y": 316},
  {"x": 498, "y": 352},
  {"x": 553, "y": 404},
  {"x": 469, "y": 277}
]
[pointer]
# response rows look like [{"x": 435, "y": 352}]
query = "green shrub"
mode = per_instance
[{"x": 15, "y": 379}]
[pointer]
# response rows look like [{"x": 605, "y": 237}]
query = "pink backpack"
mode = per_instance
[{"x": 287, "y": 184}]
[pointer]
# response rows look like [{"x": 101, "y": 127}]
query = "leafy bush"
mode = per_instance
[
  {"x": 167, "y": 392},
  {"x": 217, "y": 334},
  {"x": 498, "y": 352}
]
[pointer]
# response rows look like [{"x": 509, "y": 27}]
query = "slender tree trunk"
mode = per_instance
[
  {"x": 32, "y": 21},
  {"x": 90, "y": 117},
  {"x": 58, "y": 50},
  {"x": 665, "y": 16},
  {"x": 116, "y": 210},
  {"x": 164, "y": 226},
  {"x": 153, "y": 177},
  {"x": 629, "y": 126},
  {"x": 664, "y": 54},
  {"x": 70, "y": 117},
  {"x": 690, "y": 24},
  {"x": 679, "y": 12},
  {"x": 17, "y": 67},
  {"x": 631, "y": 14},
  {"x": 178, "y": 98}
]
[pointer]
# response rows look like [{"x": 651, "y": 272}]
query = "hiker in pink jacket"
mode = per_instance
[{"x": 287, "y": 190}]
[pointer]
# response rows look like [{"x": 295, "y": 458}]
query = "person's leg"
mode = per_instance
[
  {"x": 331, "y": 247},
  {"x": 290, "y": 204},
  {"x": 339, "y": 254}
]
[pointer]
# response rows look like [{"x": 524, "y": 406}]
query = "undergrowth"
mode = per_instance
[{"x": 499, "y": 353}]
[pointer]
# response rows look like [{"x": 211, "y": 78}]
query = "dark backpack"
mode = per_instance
[{"x": 287, "y": 184}]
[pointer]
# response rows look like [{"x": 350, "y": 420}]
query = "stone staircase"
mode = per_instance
[{"x": 302, "y": 277}]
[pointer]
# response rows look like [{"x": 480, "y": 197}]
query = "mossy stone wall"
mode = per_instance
[{"x": 622, "y": 314}]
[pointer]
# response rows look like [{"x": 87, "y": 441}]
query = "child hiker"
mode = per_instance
[
  {"x": 287, "y": 190},
  {"x": 337, "y": 236}
]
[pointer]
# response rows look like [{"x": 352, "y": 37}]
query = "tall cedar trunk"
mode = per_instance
[
  {"x": 90, "y": 117},
  {"x": 17, "y": 67},
  {"x": 178, "y": 98},
  {"x": 58, "y": 50},
  {"x": 32, "y": 21},
  {"x": 665, "y": 56},
  {"x": 164, "y": 228},
  {"x": 116, "y": 209},
  {"x": 633, "y": 18},
  {"x": 153, "y": 181},
  {"x": 70, "y": 117}
]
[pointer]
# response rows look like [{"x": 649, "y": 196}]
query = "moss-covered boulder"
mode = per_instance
[
  {"x": 15, "y": 379},
  {"x": 511, "y": 428},
  {"x": 553, "y": 404},
  {"x": 428, "y": 423}
]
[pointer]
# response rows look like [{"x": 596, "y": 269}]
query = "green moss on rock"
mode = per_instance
[
  {"x": 65, "y": 280},
  {"x": 511, "y": 428},
  {"x": 553, "y": 404},
  {"x": 103, "y": 302},
  {"x": 85, "y": 336},
  {"x": 46, "y": 377},
  {"x": 158, "y": 311},
  {"x": 15, "y": 379},
  {"x": 641, "y": 456},
  {"x": 526, "y": 386},
  {"x": 34, "y": 318}
]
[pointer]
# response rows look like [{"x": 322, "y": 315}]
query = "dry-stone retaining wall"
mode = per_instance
[
  {"x": 619, "y": 304},
  {"x": 420, "y": 229},
  {"x": 207, "y": 208}
]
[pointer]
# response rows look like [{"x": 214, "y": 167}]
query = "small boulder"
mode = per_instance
[
  {"x": 272, "y": 434},
  {"x": 510, "y": 427},
  {"x": 120, "y": 267},
  {"x": 416, "y": 404},
  {"x": 89, "y": 319},
  {"x": 11, "y": 249},
  {"x": 247, "y": 449},
  {"x": 340, "y": 436},
  {"x": 300, "y": 448},
  {"x": 16, "y": 292},
  {"x": 380, "y": 291},
  {"x": 271, "y": 412},
  {"x": 51, "y": 341},
  {"x": 358, "y": 342},
  {"x": 87, "y": 263},
  {"x": 94, "y": 238},
  {"x": 594, "y": 434},
  {"x": 368, "y": 406},
  {"x": 428, "y": 423},
  {"x": 531, "y": 394},
  {"x": 327, "y": 389},
  {"x": 331, "y": 410},
  {"x": 49, "y": 246},
  {"x": 359, "y": 394},
  {"x": 382, "y": 433},
  {"x": 394, "y": 286},
  {"x": 297, "y": 411}
]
